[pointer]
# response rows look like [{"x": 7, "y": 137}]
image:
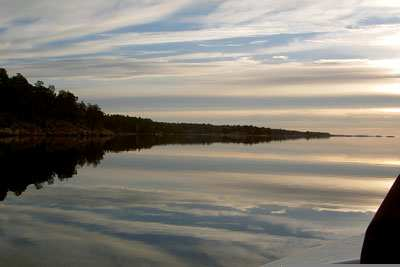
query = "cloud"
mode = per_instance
[
  {"x": 248, "y": 70},
  {"x": 30, "y": 26},
  {"x": 360, "y": 103},
  {"x": 280, "y": 57},
  {"x": 57, "y": 21},
  {"x": 216, "y": 47}
]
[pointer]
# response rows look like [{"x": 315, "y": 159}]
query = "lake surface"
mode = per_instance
[{"x": 220, "y": 204}]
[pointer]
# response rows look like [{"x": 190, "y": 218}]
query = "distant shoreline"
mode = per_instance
[
  {"x": 39, "y": 110},
  {"x": 69, "y": 130},
  {"x": 73, "y": 131},
  {"x": 363, "y": 136}
]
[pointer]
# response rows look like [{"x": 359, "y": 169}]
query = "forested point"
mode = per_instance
[{"x": 37, "y": 109}]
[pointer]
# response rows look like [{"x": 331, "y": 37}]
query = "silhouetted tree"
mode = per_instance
[
  {"x": 21, "y": 102},
  {"x": 94, "y": 116},
  {"x": 3, "y": 76},
  {"x": 39, "y": 84}
]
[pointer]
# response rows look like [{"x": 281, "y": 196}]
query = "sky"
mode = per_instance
[{"x": 330, "y": 65}]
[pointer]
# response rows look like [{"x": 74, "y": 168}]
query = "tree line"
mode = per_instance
[{"x": 41, "y": 106}]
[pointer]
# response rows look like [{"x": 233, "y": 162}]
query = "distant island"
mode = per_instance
[{"x": 38, "y": 110}]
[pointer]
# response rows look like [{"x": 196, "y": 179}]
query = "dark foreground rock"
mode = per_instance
[{"x": 383, "y": 234}]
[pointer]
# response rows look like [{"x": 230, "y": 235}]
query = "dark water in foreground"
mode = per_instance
[{"x": 136, "y": 203}]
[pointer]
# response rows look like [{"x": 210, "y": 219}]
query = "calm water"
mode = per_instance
[{"x": 219, "y": 204}]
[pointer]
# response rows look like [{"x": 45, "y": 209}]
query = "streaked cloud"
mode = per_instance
[{"x": 216, "y": 47}]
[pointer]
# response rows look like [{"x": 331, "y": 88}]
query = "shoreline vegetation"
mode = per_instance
[
  {"x": 39, "y": 110},
  {"x": 36, "y": 110}
]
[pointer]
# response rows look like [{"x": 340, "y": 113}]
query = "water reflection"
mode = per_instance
[
  {"x": 223, "y": 204},
  {"x": 30, "y": 161},
  {"x": 26, "y": 163}
]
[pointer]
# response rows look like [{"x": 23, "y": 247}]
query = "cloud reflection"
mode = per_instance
[{"x": 175, "y": 206}]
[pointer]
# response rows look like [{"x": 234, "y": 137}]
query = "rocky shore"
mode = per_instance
[{"x": 58, "y": 129}]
